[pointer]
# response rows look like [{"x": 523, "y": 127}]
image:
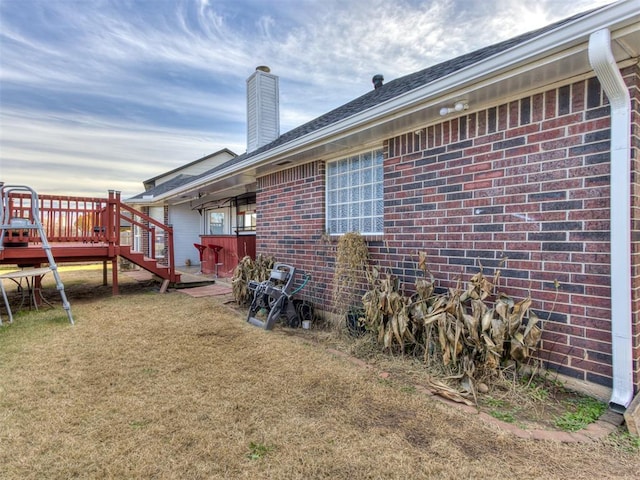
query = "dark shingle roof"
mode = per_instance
[{"x": 167, "y": 186}]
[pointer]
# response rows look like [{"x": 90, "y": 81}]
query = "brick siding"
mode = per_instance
[
  {"x": 290, "y": 225},
  {"x": 527, "y": 180}
]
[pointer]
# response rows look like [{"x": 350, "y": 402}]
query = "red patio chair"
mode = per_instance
[
  {"x": 201, "y": 249},
  {"x": 216, "y": 257}
]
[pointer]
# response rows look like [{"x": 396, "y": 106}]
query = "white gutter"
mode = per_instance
[{"x": 606, "y": 69}]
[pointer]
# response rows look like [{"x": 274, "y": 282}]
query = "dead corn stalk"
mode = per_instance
[
  {"x": 465, "y": 331},
  {"x": 246, "y": 270}
]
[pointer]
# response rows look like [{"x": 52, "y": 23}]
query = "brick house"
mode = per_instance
[{"x": 526, "y": 149}]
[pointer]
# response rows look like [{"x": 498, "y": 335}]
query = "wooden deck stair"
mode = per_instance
[{"x": 149, "y": 264}]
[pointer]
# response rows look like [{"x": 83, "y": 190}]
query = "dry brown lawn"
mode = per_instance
[{"x": 166, "y": 386}]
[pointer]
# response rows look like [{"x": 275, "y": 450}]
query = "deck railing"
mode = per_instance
[
  {"x": 65, "y": 219},
  {"x": 155, "y": 239}
]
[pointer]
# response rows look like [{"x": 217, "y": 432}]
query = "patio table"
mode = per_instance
[{"x": 33, "y": 278}]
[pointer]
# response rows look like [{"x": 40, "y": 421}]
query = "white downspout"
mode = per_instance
[{"x": 604, "y": 65}]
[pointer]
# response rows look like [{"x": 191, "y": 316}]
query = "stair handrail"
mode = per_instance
[
  {"x": 119, "y": 211},
  {"x": 85, "y": 219}
]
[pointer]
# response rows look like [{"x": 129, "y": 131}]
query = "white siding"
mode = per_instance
[{"x": 186, "y": 231}]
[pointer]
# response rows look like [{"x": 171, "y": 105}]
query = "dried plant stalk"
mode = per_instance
[
  {"x": 470, "y": 333},
  {"x": 246, "y": 270},
  {"x": 352, "y": 262}
]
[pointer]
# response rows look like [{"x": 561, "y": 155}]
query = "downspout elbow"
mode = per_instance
[{"x": 605, "y": 67}]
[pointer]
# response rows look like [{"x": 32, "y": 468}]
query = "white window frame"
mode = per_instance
[
  {"x": 225, "y": 226},
  {"x": 355, "y": 194}
]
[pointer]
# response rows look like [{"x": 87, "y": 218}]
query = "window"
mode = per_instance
[
  {"x": 355, "y": 194},
  {"x": 216, "y": 223},
  {"x": 246, "y": 221},
  {"x": 246, "y": 213}
]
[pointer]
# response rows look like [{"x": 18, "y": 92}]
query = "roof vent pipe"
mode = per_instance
[
  {"x": 606, "y": 69},
  {"x": 377, "y": 81}
]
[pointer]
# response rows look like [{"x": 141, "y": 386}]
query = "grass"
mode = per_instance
[
  {"x": 503, "y": 415},
  {"x": 258, "y": 451},
  {"x": 540, "y": 402},
  {"x": 168, "y": 386},
  {"x": 501, "y": 409},
  {"x": 135, "y": 424},
  {"x": 539, "y": 393},
  {"x": 623, "y": 440},
  {"x": 496, "y": 402},
  {"x": 585, "y": 410}
]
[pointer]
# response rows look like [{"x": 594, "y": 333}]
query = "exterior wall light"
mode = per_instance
[{"x": 457, "y": 107}]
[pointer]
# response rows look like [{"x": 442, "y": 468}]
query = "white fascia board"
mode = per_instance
[
  {"x": 166, "y": 195},
  {"x": 531, "y": 52}
]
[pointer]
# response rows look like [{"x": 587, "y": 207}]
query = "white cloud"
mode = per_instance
[{"x": 94, "y": 157}]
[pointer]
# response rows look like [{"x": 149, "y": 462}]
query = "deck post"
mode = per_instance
[
  {"x": 104, "y": 272},
  {"x": 114, "y": 276}
]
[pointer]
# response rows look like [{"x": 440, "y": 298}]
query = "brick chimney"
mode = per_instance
[{"x": 263, "y": 111}]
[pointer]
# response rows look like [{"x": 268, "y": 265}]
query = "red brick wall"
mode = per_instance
[
  {"x": 290, "y": 226},
  {"x": 527, "y": 180}
]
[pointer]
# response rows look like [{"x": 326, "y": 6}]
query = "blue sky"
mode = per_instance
[{"x": 103, "y": 94}]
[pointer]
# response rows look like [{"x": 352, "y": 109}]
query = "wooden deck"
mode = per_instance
[
  {"x": 87, "y": 230},
  {"x": 63, "y": 252}
]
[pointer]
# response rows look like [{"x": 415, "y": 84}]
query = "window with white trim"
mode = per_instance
[
  {"x": 217, "y": 223},
  {"x": 355, "y": 201}
]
